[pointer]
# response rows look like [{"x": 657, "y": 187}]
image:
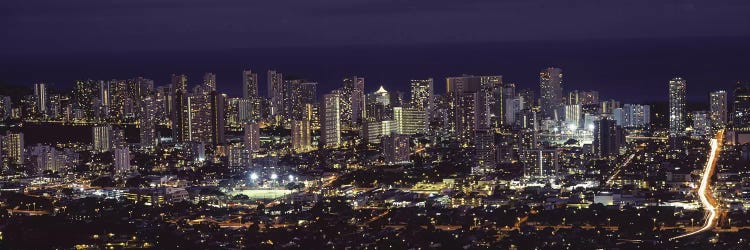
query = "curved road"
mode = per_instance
[{"x": 710, "y": 205}]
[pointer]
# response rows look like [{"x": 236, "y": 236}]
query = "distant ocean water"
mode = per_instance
[{"x": 633, "y": 70}]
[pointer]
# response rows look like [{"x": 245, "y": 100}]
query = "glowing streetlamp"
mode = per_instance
[{"x": 254, "y": 176}]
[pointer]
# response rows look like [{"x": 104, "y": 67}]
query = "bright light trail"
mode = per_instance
[{"x": 703, "y": 190}]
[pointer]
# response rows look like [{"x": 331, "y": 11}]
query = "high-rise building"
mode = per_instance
[
  {"x": 245, "y": 110},
  {"x": 677, "y": 95},
  {"x": 252, "y": 137},
  {"x": 378, "y": 106},
  {"x": 551, "y": 89},
  {"x": 573, "y": 115},
  {"x": 410, "y": 121},
  {"x": 209, "y": 80},
  {"x": 421, "y": 94},
  {"x": 608, "y": 106},
  {"x": 583, "y": 97},
  {"x": 84, "y": 95},
  {"x": 331, "y": 121},
  {"x": 217, "y": 118},
  {"x": 48, "y": 158},
  {"x": 304, "y": 93},
  {"x": 633, "y": 116},
  {"x": 741, "y": 112},
  {"x": 471, "y": 100},
  {"x": 198, "y": 114},
  {"x": 275, "y": 92},
  {"x": 354, "y": 92},
  {"x": 102, "y": 138},
  {"x": 718, "y": 103},
  {"x": 180, "y": 116},
  {"x": 513, "y": 106},
  {"x": 249, "y": 84},
  {"x": 6, "y": 107},
  {"x": 701, "y": 124},
  {"x": 396, "y": 148},
  {"x": 13, "y": 144},
  {"x": 375, "y": 130},
  {"x": 122, "y": 160},
  {"x": 608, "y": 138},
  {"x": 509, "y": 113},
  {"x": 179, "y": 82},
  {"x": 40, "y": 96},
  {"x": 540, "y": 163},
  {"x": 146, "y": 121},
  {"x": 485, "y": 152},
  {"x": 301, "y": 138}
]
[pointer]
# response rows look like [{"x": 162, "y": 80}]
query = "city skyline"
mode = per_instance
[
  {"x": 364, "y": 124},
  {"x": 591, "y": 65}
]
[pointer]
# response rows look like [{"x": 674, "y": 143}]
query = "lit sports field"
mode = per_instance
[{"x": 256, "y": 194}]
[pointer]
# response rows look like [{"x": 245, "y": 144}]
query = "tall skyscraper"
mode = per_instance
[
  {"x": 677, "y": 92},
  {"x": 252, "y": 137},
  {"x": 40, "y": 96},
  {"x": 102, "y": 136},
  {"x": 378, "y": 106},
  {"x": 573, "y": 115},
  {"x": 374, "y": 131},
  {"x": 701, "y": 124},
  {"x": 146, "y": 121},
  {"x": 303, "y": 93},
  {"x": 249, "y": 84},
  {"x": 122, "y": 160},
  {"x": 551, "y": 90},
  {"x": 540, "y": 163},
  {"x": 354, "y": 87},
  {"x": 509, "y": 94},
  {"x": 410, "y": 121},
  {"x": 741, "y": 112},
  {"x": 275, "y": 92},
  {"x": 608, "y": 138},
  {"x": 633, "y": 116},
  {"x": 513, "y": 106},
  {"x": 84, "y": 95},
  {"x": 331, "y": 121},
  {"x": 180, "y": 116},
  {"x": 209, "y": 80},
  {"x": 6, "y": 107},
  {"x": 104, "y": 98},
  {"x": 217, "y": 118},
  {"x": 421, "y": 94},
  {"x": 301, "y": 138},
  {"x": 396, "y": 148},
  {"x": 485, "y": 152},
  {"x": 583, "y": 97},
  {"x": 179, "y": 82},
  {"x": 13, "y": 143},
  {"x": 471, "y": 101},
  {"x": 718, "y": 102}
]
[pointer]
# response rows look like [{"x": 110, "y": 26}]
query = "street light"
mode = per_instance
[
  {"x": 274, "y": 176},
  {"x": 253, "y": 176},
  {"x": 291, "y": 178}
]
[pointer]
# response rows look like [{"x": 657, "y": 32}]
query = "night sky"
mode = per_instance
[{"x": 627, "y": 49}]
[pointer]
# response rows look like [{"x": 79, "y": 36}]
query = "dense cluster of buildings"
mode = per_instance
[{"x": 484, "y": 143}]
